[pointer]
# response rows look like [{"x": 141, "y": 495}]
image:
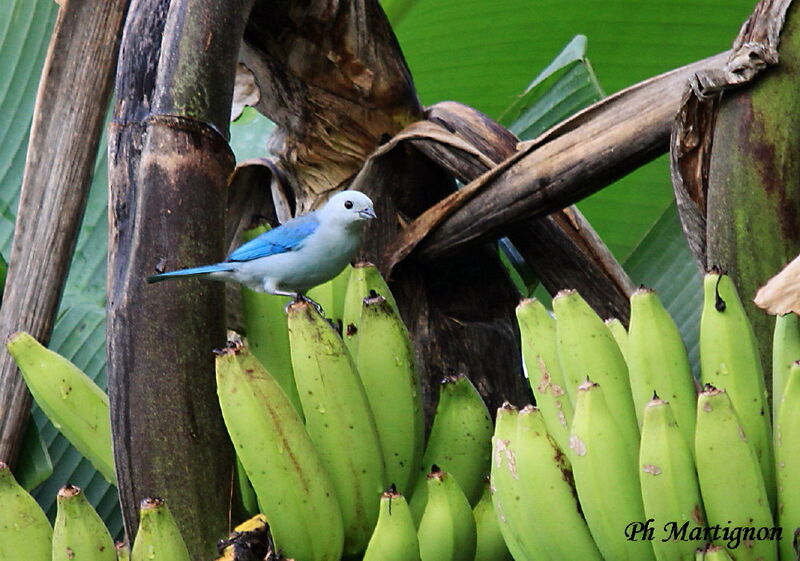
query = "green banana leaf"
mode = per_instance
[
  {"x": 24, "y": 35},
  {"x": 566, "y": 86},
  {"x": 249, "y": 135}
]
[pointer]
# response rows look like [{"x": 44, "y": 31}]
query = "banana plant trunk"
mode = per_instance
[
  {"x": 753, "y": 224},
  {"x": 734, "y": 158},
  {"x": 169, "y": 161}
]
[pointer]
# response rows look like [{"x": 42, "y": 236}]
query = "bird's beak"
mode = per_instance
[{"x": 367, "y": 214}]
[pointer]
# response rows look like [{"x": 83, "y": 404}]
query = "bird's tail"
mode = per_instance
[{"x": 193, "y": 272}]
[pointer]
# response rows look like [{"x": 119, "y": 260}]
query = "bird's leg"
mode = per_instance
[
  {"x": 277, "y": 292},
  {"x": 270, "y": 288},
  {"x": 296, "y": 297}
]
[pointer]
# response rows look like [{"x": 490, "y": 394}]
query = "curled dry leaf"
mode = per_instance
[
  {"x": 245, "y": 91},
  {"x": 781, "y": 294},
  {"x": 565, "y": 164}
]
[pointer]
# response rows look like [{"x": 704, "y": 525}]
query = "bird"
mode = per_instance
[{"x": 298, "y": 255}]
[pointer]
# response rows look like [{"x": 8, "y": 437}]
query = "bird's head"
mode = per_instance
[{"x": 349, "y": 207}]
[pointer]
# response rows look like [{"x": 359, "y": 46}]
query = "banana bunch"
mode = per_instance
[
  {"x": 79, "y": 533},
  {"x": 721, "y": 450},
  {"x": 450, "y": 529},
  {"x": 293, "y": 488},
  {"x": 339, "y": 421},
  {"x": 459, "y": 442},
  {"x": 320, "y": 443},
  {"x": 729, "y": 360},
  {"x": 526, "y": 461},
  {"x": 324, "y": 414},
  {"x": 625, "y": 459}
]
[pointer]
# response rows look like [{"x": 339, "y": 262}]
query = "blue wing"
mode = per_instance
[{"x": 286, "y": 237}]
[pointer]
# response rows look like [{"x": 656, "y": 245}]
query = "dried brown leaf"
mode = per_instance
[
  {"x": 781, "y": 294},
  {"x": 245, "y": 91}
]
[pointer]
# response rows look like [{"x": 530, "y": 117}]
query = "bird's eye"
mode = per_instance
[{"x": 348, "y": 204}]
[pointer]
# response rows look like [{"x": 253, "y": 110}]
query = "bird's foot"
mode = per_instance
[
  {"x": 304, "y": 298},
  {"x": 299, "y": 297}
]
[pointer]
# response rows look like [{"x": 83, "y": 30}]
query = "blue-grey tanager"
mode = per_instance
[{"x": 303, "y": 252}]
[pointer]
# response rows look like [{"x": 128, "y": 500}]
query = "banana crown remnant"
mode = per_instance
[
  {"x": 447, "y": 529},
  {"x": 79, "y": 533},
  {"x": 158, "y": 537},
  {"x": 395, "y": 535}
]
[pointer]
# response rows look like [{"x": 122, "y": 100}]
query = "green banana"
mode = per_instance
[
  {"x": 123, "y": 551},
  {"x": 787, "y": 461},
  {"x": 25, "y": 532},
  {"x": 729, "y": 360},
  {"x": 459, "y": 441},
  {"x": 79, "y": 533},
  {"x": 785, "y": 351},
  {"x": 34, "y": 465},
  {"x": 247, "y": 495},
  {"x": 386, "y": 365},
  {"x": 158, "y": 537},
  {"x": 796, "y": 544},
  {"x": 670, "y": 492},
  {"x": 713, "y": 553},
  {"x": 606, "y": 476},
  {"x": 586, "y": 349},
  {"x": 293, "y": 488},
  {"x": 547, "y": 497},
  {"x": 489, "y": 545},
  {"x": 71, "y": 400},
  {"x": 657, "y": 362},
  {"x": 339, "y": 421},
  {"x": 395, "y": 536},
  {"x": 540, "y": 362},
  {"x": 730, "y": 478},
  {"x": 268, "y": 332},
  {"x": 620, "y": 335},
  {"x": 330, "y": 295},
  {"x": 365, "y": 281},
  {"x": 447, "y": 528},
  {"x": 512, "y": 518}
]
